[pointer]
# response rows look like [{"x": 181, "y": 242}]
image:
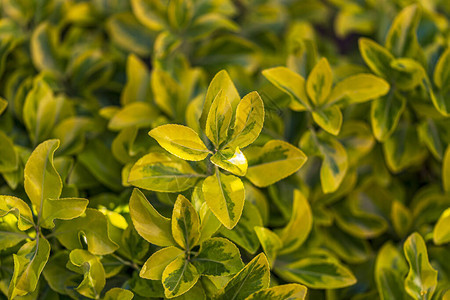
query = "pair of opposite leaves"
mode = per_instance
[{"x": 223, "y": 193}]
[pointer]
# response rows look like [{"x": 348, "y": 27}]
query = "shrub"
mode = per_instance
[{"x": 224, "y": 149}]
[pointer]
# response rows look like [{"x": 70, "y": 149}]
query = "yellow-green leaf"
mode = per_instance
[
  {"x": 273, "y": 162},
  {"x": 162, "y": 173},
  {"x": 270, "y": 243},
  {"x": 359, "y": 88},
  {"x": 209, "y": 223},
  {"x": 252, "y": 278},
  {"x": 376, "y": 57},
  {"x": 89, "y": 265},
  {"x": 28, "y": 265},
  {"x": 220, "y": 82},
  {"x": 441, "y": 232},
  {"x": 9, "y": 159},
  {"x": 3, "y": 105},
  {"x": 44, "y": 47},
  {"x": 219, "y": 119},
  {"x": 225, "y": 196},
  {"x": 180, "y": 141},
  {"x": 149, "y": 13},
  {"x": 401, "y": 218},
  {"x": 139, "y": 114},
  {"x": 291, "y": 83},
  {"x": 290, "y": 291},
  {"x": 317, "y": 273},
  {"x": 231, "y": 160},
  {"x": 294, "y": 234},
  {"x": 421, "y": 280},
  {"x": 318, "y": 84},
  {"x": 137, "y": 88},
  {"x": 385, "y": 113},
  {"x": 153, "y": 227},
  {"x": 249, "y": 121},
  {"x": 166, "y": 92},
  {"x": 154, "y": 267},
  {"x": 118, "y": 293},
  {"x": 185, "y": 223},
  {"x": 446, "y": 170},
  {"x": 330, "y": 119},
  {"x": 441, "y": 74},
  {"x": 179, "y": 277},
  {"x": 410, "y": 73},
  {"x": 18, "y": 207}
]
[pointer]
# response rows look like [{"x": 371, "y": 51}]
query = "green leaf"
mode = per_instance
[
  {"x": 291, "y": 291},
  {"x": 179, "y": 277},
  {"x": 180, "y": 141},
  {"x": 137, "y": 88},
  {"x": 252, "y": 278},
  {"x": 446, "y": 170},
  {"x": 44, "y": 47},
  {"x": 219, "y": 120},
  {"x": 166, "y": 92},
  {"x": 330, "y": 119},
  {"x": 401, "y": 218},
  {"x": 231, "y": 160},
  {"x": 28, "y": 265},
  {"x": 376, "y": 57},
  {"x": 273, "y": 162},
  {"x": 270, "y": 243},
  {"x": 155, "y": 265},
  {"x": 318, "y": 84},
  {"x": 294, "y": 234},
  {"x": 209, "y": 224},
  {"x": 185, "y": 223},
  {"x": 162, "y": 173},
  {"x": 359, "y": 88},
  {"x": 410, "y": 73},
  {"x": 9, "y": 159},
  {"x": 291, "y": 83},
  {"x": 429, "y": 134},
  {"x": 441, "y": 231},
  {"x": 71, "y": 133},
  {"x": 225, "y": 196},
  {"x": 3, "y": 105},
  {"x": 58, "y": 276},
  {"x": 385, "y": 113},
  {"x": 220, "y": 82},
  {"x": 92, "y": 226},
  {"x": 248, "y": 123},
  {"x": 83, "y": 262},
  {"x": 243, "y": 234},
  {"x": 390, "y": 269},
  {"x": 218, "y": 257},
  {"x": 139, "y": 114},
  {"x": 317, "y": 273},
  {"x": 153, "y": 227},
  {"x": 118, "y": 293},
  {"x": 421, "y": 280},
  {"x": 441, "y": 75},
  {"x": 149, "y": 13},
  {"x": 17, "y": 207},
  {"x": 401, "y": 39}
]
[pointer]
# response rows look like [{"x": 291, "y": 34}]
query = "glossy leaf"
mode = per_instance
[
  {"x": 118, "y": 293},
  {"x": 185, "y": 223},
  {"x": 153, "y": 227},
  {"x": 377, "y": 58},
  {"x": 253, "y": 277},
  {"x": 178, "y": 277},
  {"x": 139, "y": 114},
  {"x": 225, "y": 196},
  {"x": 359, "y": 88},
  {"x": 421, "y": 281},
  {"x": 219, "y": 120},
  {"x": 231, "y": 160},
  {"x": 180, "y": 141},
  {"x": 441, "y": 232},
  {"x": 155, "y": 265},
  {"x": 270, "y": 243},
  {"x": 318, "y": 84},
  {"x": 282, "y": 292},
  {"x": 275, "y": 161},
  {"x": 330, "y": 119}
]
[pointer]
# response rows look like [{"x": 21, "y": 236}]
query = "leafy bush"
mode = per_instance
[{"x": 256, "y": 149}]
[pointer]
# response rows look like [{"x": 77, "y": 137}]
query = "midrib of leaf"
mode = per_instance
[
  {"x": 182, "y": 273},
  {"x": 41, "y": 205},
  {"x": 275, "y": 161},
  {"x": 243, "y": 282},
  {"x": 221, "y": 191},
  {"x": 184, "y": 146}
]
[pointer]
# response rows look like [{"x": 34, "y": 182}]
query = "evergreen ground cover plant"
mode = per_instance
[{"x": 225, "y": 149}]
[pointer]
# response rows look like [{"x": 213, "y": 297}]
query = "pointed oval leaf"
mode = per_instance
[
  {"x": 28, "y": 265},
  {"x": 220, "y": 82},
  {"x": 231, "y": 160},
  {"x": 376, "y": 57},
  {"x": 162, "y": 173},
  {"x": 185, "y": 223},
  {"x": 252, "y": 278},
  {"x": 180, "y": 141},
  {"x": 385, "y": 113},
  {"x": 276, "y": 160},
  {"x": 401, "y": 218},
  {"x": 291, "y": 83},
  {"x": 154, "y": 267},
  {"x": 93, "y": 226},
  {"x": 166, "y": 92},
  {"x": 318, "y": 84},
  {"x": 218, "y": 257},
  {"x": 290, "y": 291},
  {"x": 318, "y": 273},
  {"x": 441, "y": 232},
  {"x": 249, "y": 121},
  {"x": 179, "y": 277},
  {"x": 225, "y": 196},
  {"x": 294, "y": 234},
  {"x": 329, "y": 119},
  {"x": 118, "y": 293},
  {"x": 270, "y": 242},
  {"x": 139, "y": 114},
  {"x": 421, "y": 281},
  {"x": 359, "y": 88},
  {"x": 137, "y": 88},
  {"x": 219, "y": 120},
  {"x": 153, "y": 227}
]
